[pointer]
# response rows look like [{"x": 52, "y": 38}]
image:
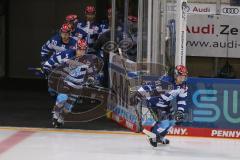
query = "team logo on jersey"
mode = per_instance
[{"x": 95, "y": 28}]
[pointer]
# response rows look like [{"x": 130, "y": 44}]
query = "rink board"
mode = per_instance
[{"x": 184, "y": 131}]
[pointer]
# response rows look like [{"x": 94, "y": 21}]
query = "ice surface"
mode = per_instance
[{"x": 101, "y": 145}]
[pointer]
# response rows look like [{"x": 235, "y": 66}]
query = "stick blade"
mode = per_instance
[{"x": 149, "y": 134}]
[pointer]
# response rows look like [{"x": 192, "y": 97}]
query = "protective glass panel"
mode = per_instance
[
  {"x": 126, "y": 28},
  {"x": 157, "y": 32}
]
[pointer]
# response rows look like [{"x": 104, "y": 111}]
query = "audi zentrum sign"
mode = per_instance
[{"x": 213, "y": 36}]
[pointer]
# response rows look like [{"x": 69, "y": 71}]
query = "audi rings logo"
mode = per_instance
[{"x": 230, "y": 10}]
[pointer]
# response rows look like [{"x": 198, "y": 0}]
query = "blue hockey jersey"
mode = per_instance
[
  {"x": 57, "y": 59},
  {"x": 92, "y": 31},
  {"x": 164, "y": 96},
  {"x": 104, "y": 25},
  {"x": 78, "y": 69},
  {"x": 78, "y": 34},
  {"x": 55, "y": 45}
]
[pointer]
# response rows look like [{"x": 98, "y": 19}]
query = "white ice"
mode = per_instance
[{"x": 101, "y": 145}]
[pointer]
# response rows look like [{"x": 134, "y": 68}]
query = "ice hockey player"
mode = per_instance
[
  {"x": 58, "y": 43},
  {"x": 76, "y": 33},
  {"x": 132, "y": 37},
  {"x": 75, "y": 79},
  {"x": 89, "y": 26},
  {"x": 160, "y": 105},
  {"x": 56, "y": 60},
  {"x": 106, "y": 24}
]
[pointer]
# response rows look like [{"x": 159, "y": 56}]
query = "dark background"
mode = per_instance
[{"x": 25, "y": 25}]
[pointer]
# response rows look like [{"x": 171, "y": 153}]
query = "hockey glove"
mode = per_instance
[
  {"x": 91, "y": 81},
  {"x": 179, "y": 116}
]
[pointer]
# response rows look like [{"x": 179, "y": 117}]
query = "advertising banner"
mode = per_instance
[
  {"x": 214, "y": 102},
  {"x": 213, "y": 109},
  {"x": 230, "y": 10},
  {"x": 208, "y": 9},
  {"x": 213, "y": 36},
  {"x": 201, "y": 8},
  {"x": 205, "y": 132}
]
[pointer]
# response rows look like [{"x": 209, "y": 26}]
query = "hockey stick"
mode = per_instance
[
  {"x": 149, "y": 134},
  {"x": 123, "y": 63},
  {"x": 37, "y": 71}
]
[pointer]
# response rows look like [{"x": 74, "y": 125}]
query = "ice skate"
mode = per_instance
[
  {"x": 152, "y": 141},
  {"x": 163, "y": 140},
  {"x": 151, "y": 137},
  {"x": 56, "y": 124},
  {"x": 57, "y": 120}
]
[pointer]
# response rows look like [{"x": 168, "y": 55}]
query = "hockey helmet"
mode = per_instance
[
  {"x": 181, "y": 70},
  {"x": 90, "y": 10},
  {"x": 65, "y": 28},
  {"x": 71, "y": 18},
  {"x": 133, "y": 19},
  {"x": 81, "y": 44}
]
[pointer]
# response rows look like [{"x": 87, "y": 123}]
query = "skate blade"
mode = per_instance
[{"x": 149, "y": 134}]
